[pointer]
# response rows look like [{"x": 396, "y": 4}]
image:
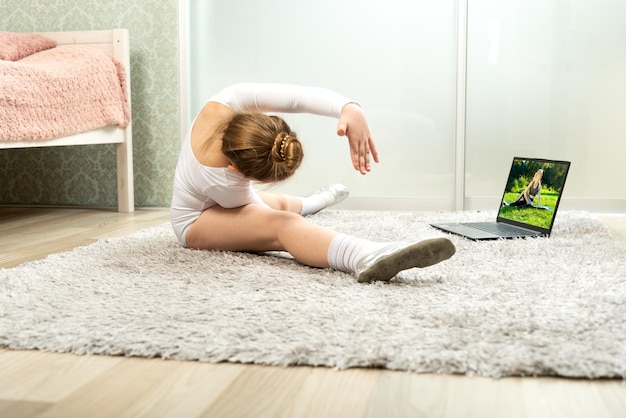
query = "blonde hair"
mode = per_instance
[{"x": 262, "y": 147}]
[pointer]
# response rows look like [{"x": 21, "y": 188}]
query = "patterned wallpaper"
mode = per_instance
[{"x": 85, "y": 175}]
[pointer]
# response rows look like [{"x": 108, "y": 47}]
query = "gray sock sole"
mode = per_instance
[{"x": 421, "y": 254}]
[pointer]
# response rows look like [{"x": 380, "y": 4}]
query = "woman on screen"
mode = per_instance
[{"x": 532, "y": 191}]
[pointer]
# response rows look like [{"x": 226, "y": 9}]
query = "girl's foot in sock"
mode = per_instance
[
  {"x": 385, "y": 263},
  {"x": 333, "y": 194},
  {"x": 323, "y": 198}
]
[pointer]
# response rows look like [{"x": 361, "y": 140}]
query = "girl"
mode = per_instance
[{"x": 232, "y": 143}]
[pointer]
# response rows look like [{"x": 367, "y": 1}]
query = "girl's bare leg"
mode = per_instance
[
  {"x": 281, "y": 201},
  {"x": 255, "y": 228}
]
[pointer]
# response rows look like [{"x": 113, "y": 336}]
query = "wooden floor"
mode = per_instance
[{"x": 38, "y": 384}]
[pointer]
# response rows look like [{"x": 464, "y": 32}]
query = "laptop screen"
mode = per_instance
[{"x": 532, "y": 193}]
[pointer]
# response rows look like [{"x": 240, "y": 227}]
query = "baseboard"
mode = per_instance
[
  {"x": 591, "y": 205},
  {"x": 395, "y": 204},
  {"x": 412, "y": 204},
  {"x": 471, "y": 203}
]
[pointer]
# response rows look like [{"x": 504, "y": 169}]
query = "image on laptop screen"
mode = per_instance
[{"x": 533, "y": 191}]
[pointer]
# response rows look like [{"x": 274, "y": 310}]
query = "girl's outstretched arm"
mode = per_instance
[{"x": 290, "y": 98}]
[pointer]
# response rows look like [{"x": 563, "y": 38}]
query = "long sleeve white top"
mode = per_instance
[
  {"x": 285, "y": 98},
  {"x": 198, "y": 187}
]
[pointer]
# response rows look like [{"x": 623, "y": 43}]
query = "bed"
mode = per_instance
[{"x": 110, "y": 125}]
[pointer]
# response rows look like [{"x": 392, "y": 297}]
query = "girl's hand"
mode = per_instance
[{"x": 353, "y": 124}]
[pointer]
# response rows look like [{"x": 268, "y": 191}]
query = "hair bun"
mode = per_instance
[
  {"x": 261, "y": 146},
  {"x": 287, "y": 151},
  {"x": 282, "y": 144}
]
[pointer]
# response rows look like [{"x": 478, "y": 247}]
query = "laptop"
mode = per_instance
[{"x": 527, "y": 208}]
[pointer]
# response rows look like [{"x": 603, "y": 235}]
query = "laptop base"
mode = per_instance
[{"x": 476, "y": 234}]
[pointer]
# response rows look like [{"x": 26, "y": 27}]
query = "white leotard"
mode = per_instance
[{"x": 198, "y": 187}]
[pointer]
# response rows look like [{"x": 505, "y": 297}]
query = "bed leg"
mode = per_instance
[{"x": 125, "y": 184}]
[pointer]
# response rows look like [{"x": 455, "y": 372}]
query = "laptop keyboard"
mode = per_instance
[{"x": 501, "y": 229}]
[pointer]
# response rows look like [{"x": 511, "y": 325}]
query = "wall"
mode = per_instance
[
  {"x": 85, "y": 175},
  {"x": 545, "y": 78}
]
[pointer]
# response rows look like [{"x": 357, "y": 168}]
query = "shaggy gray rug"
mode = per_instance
[{"x": 543, "y": 306}]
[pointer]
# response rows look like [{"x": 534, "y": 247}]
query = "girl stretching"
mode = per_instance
[{"x": 232, "y": 143}]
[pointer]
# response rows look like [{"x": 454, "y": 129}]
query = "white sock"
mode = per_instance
[
  {"x": 346, "y": 251},
  {"x": 312, "y": 204}
]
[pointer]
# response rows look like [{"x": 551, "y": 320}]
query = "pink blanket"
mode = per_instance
[{"x": 61, "y": 91}]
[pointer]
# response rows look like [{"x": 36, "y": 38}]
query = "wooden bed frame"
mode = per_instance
[{"x": 116, "y": 43}]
